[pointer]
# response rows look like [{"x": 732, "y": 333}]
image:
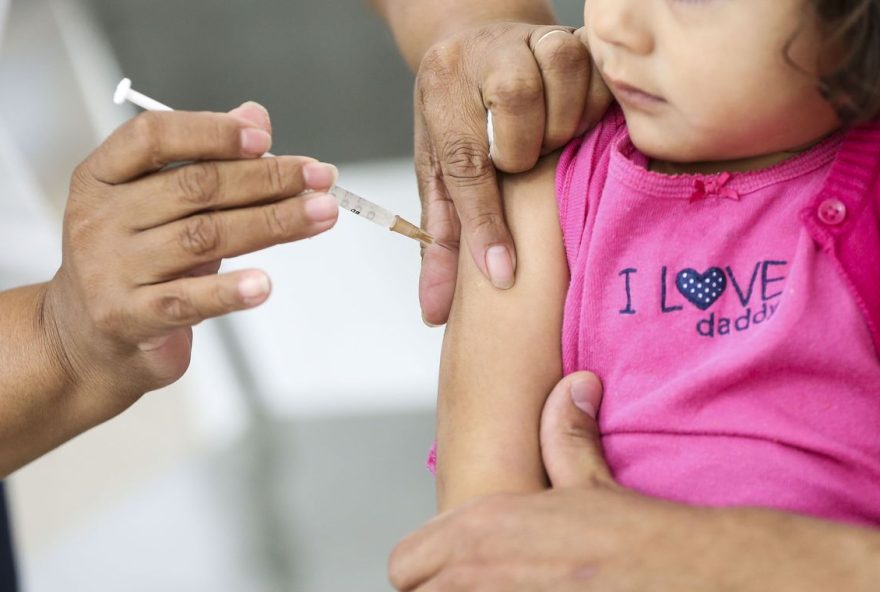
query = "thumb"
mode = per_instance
[{"x": 570, "y": 444}]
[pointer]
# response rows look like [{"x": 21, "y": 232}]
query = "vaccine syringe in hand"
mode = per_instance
[{"x": 347, "y": 200}]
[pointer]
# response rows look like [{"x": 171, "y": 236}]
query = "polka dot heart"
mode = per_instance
[{"x": 701, "y": 289}]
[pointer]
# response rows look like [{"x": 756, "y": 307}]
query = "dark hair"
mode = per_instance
[{"x": 850, "y": 80}]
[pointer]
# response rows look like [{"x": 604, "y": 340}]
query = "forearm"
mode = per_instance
[
  {"x": 419, "y": 24},
  {"x": 789, "y": 553},
  {"x": 502, "y": 356},
  {"x": 41, "y": 406}
]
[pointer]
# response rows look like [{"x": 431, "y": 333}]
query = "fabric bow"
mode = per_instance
[{"x": 713, "y": 187}]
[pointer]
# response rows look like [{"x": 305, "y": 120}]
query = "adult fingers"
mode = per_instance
[
  {"x": 152, "y": 140},
  {"x": 513, "y": 91},
  {"x": 564, "y": 63},
  {"x": 188, "y": 301},
  {"x": 493, "y": 529},
  {"x": 570, "y": 444},
  {"x": 439, "y": 265},
  {"x": 509, "y": 576},
  {"x": 458, "y": 135},
  {"x": 175, "y": 193},
  {"x": 167, "y": 251},
  {"x": 420, "y": 556}
]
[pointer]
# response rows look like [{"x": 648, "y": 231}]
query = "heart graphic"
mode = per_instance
[{"x": 701, "y": 289}]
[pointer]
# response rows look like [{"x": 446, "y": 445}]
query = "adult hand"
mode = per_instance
[
  {"x": 590, "y": 534},
  {"x": 541, "y": 87},
  {"x": 143, "y": 242}
]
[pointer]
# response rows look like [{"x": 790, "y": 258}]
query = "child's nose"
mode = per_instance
[{"x": 624, "y": 23}]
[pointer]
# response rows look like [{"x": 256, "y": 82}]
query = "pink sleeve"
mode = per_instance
[
  {"x": 580, "y": 160},
  {"x": 431, "y": 463},
  {"x": 580, "y": 175}
]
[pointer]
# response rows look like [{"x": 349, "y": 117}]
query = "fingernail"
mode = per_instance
[
  {"x": 321, "y": 208},
  {"x": 320, "y": 175},
  {"x": 255, "y": 142},
  {"x": 500, "y": 267},
  {"x": 585, "y": 396},
  {"x": 254, "y": 288},
  {"x": 429, "y": 324}
]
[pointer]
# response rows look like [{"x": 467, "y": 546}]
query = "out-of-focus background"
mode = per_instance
[{"x": 291, "y": 457}]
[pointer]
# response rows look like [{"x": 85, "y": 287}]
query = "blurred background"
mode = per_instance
[{"x": 291, "y": 456}]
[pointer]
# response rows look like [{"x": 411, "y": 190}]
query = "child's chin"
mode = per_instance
[
  {"x": 667, "y": 146},
  {"x": 666, "y": 152}
]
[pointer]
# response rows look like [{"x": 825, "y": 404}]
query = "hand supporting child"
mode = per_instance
[{"x": 589, "y": 533}]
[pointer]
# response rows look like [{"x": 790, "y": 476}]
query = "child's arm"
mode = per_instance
[{"x": 502, "y": 354}]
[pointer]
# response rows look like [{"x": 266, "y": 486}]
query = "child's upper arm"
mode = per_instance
[{"x": 502, "y": 353}]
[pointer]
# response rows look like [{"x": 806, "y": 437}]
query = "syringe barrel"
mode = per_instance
[{"x": 363, "y": 208}]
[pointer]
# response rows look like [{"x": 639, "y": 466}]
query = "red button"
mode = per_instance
[{"x": 832, "y": 212}]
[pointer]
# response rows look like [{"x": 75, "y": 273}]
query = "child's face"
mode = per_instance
[{"x": 708, "y": 80}]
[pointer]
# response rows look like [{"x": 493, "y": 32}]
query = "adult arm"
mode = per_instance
[
  {"x": 419, "y": 24},
  {"x": 142, "y": 247},
  {"x": 501, "y": 355},
  {"x": 589, "y": 534}
]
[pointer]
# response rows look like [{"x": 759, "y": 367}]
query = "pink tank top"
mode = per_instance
[{"x": 735, "y": 343}]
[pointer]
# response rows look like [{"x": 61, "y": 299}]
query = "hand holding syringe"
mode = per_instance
[{"x": 347, "y": 200}]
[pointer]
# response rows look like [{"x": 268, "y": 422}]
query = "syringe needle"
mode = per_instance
[
  {"x": 362, "y": 207},
  {"x": 407, "y": 228}
]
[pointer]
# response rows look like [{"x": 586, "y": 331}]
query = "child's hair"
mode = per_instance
[{"x": 851, "y": 79}]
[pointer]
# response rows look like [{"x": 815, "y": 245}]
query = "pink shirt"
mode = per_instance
[{"x": 732, "y": 321}]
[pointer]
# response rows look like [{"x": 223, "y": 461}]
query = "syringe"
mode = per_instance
[{"x": 347, "y": 200}]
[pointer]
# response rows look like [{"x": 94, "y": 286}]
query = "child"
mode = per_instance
[{"x": 720, "y": 229}]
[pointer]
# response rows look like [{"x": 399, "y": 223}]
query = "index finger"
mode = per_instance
[{"x": 153, "y": 140}]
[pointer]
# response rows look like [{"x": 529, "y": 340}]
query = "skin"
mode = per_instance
[
  {"x": 141, "y": 250},
  {"x": 504, "y": 345},
  {"x": 736, "y": 104},
  {"x": 472, "y": 57}
]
